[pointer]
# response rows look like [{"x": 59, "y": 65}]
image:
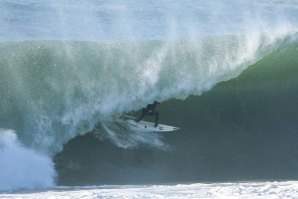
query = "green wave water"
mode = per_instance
[
  {"x": 57, "y": 90},
  {"x": 242, "y": 129}
]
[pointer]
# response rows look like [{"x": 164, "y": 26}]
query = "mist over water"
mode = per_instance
[
  {"x": 139, "y": 20},
  {"x": 68, "y": 66}
]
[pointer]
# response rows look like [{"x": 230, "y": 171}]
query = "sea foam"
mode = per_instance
[{"x": 20, "y": 167}]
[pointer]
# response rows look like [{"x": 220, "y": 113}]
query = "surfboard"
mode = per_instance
[{"x": 149, "y": 126}]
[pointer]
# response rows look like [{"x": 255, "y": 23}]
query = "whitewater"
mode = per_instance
[
  {"x": 224, "y": 71},
  {"x": 216, "y": 190}
]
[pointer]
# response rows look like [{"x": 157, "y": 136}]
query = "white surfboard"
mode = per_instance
[{"x": 149, "y": 126}]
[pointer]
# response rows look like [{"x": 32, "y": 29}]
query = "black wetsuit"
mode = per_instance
[{"x": 150, "y": 110}]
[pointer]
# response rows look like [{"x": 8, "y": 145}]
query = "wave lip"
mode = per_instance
[{"x": 22, "y": 168}]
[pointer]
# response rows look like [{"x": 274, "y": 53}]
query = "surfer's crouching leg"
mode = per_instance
[
  {"x": 156, "y": 113},
  {"x": 140, "y": 118}
]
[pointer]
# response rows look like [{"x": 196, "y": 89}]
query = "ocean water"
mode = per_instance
[{"x": 225, "y": 72}]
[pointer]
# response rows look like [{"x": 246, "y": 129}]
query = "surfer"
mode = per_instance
[{"x": 150, "y": 110}]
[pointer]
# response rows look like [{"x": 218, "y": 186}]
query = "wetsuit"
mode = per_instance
[{"x": 150, "y": 110}]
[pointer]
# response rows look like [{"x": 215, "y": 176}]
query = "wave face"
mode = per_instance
[
  {"x": 57, "y": 90},
  {"x": 242, "y": 129},
  {"x": 68, "y": 68}
]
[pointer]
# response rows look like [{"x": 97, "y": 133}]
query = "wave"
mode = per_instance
[
  {"x": 54, "y": 91},
  {"x": 57, "y": 90},
  {"x": 68, "y": 68},
  {"x": 242, "y": 129}
]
